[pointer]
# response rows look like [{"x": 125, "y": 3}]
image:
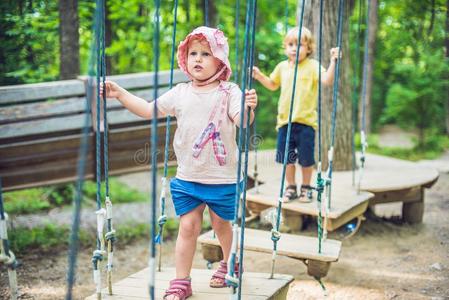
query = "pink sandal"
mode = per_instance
[
  {"x": 218, "y": 278},
  {"x": 181, "y": 288}
]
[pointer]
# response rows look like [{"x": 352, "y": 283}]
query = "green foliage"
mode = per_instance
[
  {"x": 410, "y": 71},
  {"x": 119, "y": 192},
  {"x": 46, "y": 238},
  {"x": 42, "y": 199}
]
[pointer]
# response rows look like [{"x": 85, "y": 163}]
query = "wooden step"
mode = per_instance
[
  {"x": 256, "y": 286},
  {"x": 294, "y": 246}
]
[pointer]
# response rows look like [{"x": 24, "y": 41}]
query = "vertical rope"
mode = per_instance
[
  {"x": 163, "y": 218},
  {"x": 319, "y": 180},
  {"x": 286, "y": 17},
  {"x": 334, "y": 102},
  {"x": 206, "y": 12},
  {"x": 151, "y": 262},
  {"x": 6, "y": 255},
  {"x": 363, "y": 138},
  {"x": 275, "y": 234},
  {"x": 237, "y": 19},
  {"x": 230, "y": 279},
  {"x": 355, "y": 87},
  {"x": 97, "y": 256},
  {"x": 246, "y": 149},
  {"x": 81, "y": 165}
]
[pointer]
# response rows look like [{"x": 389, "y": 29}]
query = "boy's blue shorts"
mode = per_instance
[
  {"x": 188, "y": 195},
  {"x": 301, "y": 146}
]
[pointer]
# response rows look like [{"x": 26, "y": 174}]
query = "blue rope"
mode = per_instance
[
  {"x": 354, "y": 93},
  {"x": 237, "y": 17},
  {"x": 163, "y": 218},
  {"x": 206, "y": 12},
  {"x": 364, "y": 85},
  {"x": 99, "y": 12},
  {"x": 246, "y": 148},
  {"x": 320, "y": 181},
  {"x": 240, "y": 143},
  {"x": 105, "y": 115},
  {"x": 154, "y": 150},
  {"x": 82, "y": 155},
  {"x": 275, "y": 236},
  {"x": 335, "y": 96}
]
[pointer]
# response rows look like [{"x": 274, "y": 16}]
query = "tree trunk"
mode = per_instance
[
  {"x": 373, "y": 20},
  {"x": 343, "y": 131},
  {"x": 447, "y": 59},
  {"x": 68, "y": 39}
]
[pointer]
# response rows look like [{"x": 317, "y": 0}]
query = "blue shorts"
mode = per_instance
[
  {"x": 188, "y": 195},
  {"x": 301, "y": 147}
]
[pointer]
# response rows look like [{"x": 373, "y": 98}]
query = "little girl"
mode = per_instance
[{"x": 207, "y": 109}]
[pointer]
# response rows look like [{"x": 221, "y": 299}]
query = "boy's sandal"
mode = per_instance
[
  {"x": 218, "y": 278},
  {"x": 306, "y": 194},
  {"x": 180, "y": 288},
  {"x": 290, "y": 192}
]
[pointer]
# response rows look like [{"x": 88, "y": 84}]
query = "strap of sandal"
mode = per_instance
[
  {"x": 223, "y": 270},
  {"x": 307, "y": 187},
  {"x": 178, "y": 287}
]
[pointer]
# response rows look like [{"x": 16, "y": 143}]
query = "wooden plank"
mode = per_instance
[
  {"x": 60, "y": 107},
  {"x": 256, "y": 286},
  {"x": 146, "y": 79},
  {"x": 64, "y": 125},
  {"x": 344, "y": 198},
  {"x": 295, "y": 246},
  {"x": 35, "y": 91},
  {"x": 23, "y": 93}
]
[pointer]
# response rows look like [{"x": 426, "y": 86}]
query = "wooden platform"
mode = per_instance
[
  {"x": 256, "y": 286},
  {"x": 384, "y": 180},
  {"x": 346, "y": 204},
  {"x": 396, "y": 180}
]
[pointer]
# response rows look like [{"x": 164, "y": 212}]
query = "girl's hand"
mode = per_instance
[
  {"x": 251, "y": 98},
  {"x": 113, "y": 90},
  {"x": 335, "y": 54},
  {"x": 256, "y": 73}
]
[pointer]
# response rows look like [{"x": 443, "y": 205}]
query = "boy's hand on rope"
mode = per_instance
[
  {"x": 335, "y": 54},
  {"x": 251, "y": 98},
  {"x": 256, "y": 73},
  {"x": 113, "y": 90}
]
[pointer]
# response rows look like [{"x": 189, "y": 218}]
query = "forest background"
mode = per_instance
[{"x": 410, "y": 52}]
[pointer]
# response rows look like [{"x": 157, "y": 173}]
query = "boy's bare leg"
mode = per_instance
[
  {"x": 189, "y": 230},
  {"x": 306, "y": 175},
  {"x": 290, "y": 173}
]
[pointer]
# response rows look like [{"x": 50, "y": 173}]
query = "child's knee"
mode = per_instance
[{"x": 190, "y": 229}]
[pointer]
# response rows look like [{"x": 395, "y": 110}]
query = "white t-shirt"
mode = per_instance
[{"x": 192, "y": 109}]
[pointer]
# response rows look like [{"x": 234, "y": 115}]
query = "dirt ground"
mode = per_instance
[{"x": 385, "y": 260}]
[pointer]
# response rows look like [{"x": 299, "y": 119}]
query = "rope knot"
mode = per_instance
[
  {"x": 275, "y": 235},
  {"x": 98, "y": 256},
  {"x": 162, "y": 220},
  {"x": 9, "y": 260},
  {"x": 110, "y": 236}
]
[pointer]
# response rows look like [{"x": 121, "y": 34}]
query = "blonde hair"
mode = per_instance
[{"x": 306, "y": 37}]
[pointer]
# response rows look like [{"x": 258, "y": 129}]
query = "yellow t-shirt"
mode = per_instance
[{"x": 306, "y": 92}]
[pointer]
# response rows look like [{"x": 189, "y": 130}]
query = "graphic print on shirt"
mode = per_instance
[{"x": 212, "y": 131}]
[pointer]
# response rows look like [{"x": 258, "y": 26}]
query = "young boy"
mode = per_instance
[{"x": 304, "y": 118}]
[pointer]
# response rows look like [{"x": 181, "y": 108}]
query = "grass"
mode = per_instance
[
  {"x": 434, "y": 147},
  {"x": 54, "y": 238},
  {"x": 43, "y": 199}
]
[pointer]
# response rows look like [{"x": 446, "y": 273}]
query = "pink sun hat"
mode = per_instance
[{"x": 218, "y": 44}]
